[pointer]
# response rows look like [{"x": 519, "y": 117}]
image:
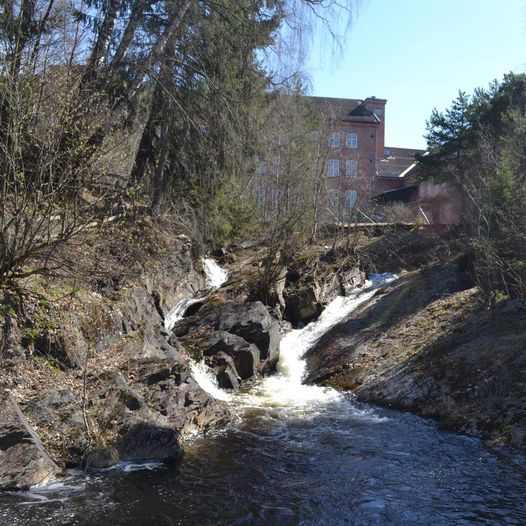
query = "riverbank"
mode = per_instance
[
  {"x": 429, "y": 344},
  {"x": 93, "y": 373}
]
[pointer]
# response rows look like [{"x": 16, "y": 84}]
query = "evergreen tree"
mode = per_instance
[{"x": 449, "y": 132}]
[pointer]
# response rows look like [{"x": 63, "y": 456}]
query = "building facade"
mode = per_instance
[
  {"x": 355, "y": 174},
  {"x": 358, "y": 164}
]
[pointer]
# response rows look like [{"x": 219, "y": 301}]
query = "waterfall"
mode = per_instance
[
  {"x": 285, "y": 389},
  {"x": 215, "y": 277},
  {"x": 176, "y": 313},
  {"x": 204, "y": 376}
]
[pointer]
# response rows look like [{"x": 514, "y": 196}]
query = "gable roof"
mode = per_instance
[
  {"x": 347, "y": 110},
  {"x": 397, "y": 162}
]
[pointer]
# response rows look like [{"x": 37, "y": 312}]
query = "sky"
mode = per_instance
[{"x": 418, "y": 54}]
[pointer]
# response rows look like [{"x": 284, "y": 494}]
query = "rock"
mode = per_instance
[
  {"x": 23, "y": 460},
  {"x": 151, "y": 347},
  {"x": 100, "y": 458},
  {"x": 303, "y": 305},
  {"x": 10, "y": 347},
  {"x": 146, "y": 441},
  {"x": 175, "y": 399},
  {"x": 227, "y": 377},
  {"x": 250, "y": 321},
  {"x": 245, "y": 355},
  {"x": 350, "y": 279},
  {"x": 67, "y": 346}
]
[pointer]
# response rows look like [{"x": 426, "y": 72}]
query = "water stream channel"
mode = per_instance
[{"x": 297, "y": 455}]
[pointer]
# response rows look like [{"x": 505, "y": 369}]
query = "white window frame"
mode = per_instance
[
  {"x": 351, "y": 140},
  {"x": 351, "y": 196},
  {"x": 333, "y": 168},
  {"x": 351, "y": 168},
  {"x": 334, "y": 140}
]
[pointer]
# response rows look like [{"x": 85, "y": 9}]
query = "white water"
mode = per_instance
[
  {"x": 204, "y": 376},
  {"x": 215, "y": 277},
  {"x": 177, "y": 311},
  {"x": 285, "y": 389}
]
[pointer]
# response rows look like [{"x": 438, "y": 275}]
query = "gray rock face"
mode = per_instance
[
  {"x": 146, "y": 441},
  {"x": 100, "y": 458},
  {"x": 303, "y": 305},
  {"x": 305, "y": 299},
  {"x": 23, "y": 460},
  {"x": 253, "y": 323},
  {"x": 245, "y": 355},
  {"x": 245, "y": 332}
]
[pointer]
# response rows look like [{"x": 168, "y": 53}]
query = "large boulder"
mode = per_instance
[
  {"x": 245, "y": 356},
  {"x": 250, "y": 321},
  {"x": 303, "y": 305},
  {"x": 146, "y": 441},
  {"x": 23, "y": 460}
]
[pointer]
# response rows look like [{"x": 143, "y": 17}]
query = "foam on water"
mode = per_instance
[
  {"x": 285, "y": 389},
  {"x": 204, "y": 377},
  {"x": 215, "y": 275}
]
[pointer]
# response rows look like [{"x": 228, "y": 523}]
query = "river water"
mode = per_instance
[{"x": 297, "y": 455}]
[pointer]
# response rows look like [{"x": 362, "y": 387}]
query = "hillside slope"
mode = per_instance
[{"x": 428, "y": 345}]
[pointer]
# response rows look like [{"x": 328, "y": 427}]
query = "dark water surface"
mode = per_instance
[{"x": 342, "y": 463}]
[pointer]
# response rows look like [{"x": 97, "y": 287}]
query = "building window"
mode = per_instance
[
  {"x": 351, "y": 168},
  {"x": 334, "y": 198},
  {"x": 334, "y": 140},
  {"x": 315, "y": 135},
  {"x": 350, "y": 198},
  {"x": 377, "y": 112},
  {"x": 351, "y": 140},
  {"x": 333, "y": 167}
]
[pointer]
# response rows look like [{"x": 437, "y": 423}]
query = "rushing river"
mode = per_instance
[{"x": 294, "y": 455}]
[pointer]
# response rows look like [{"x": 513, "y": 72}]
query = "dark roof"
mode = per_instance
[
  {"x": 396, "y": 161},
  {"x": 348, "y": 110},
  {"x": 399, "y": 195}
]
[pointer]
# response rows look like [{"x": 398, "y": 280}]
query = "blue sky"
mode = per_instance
[{"x": 417, "y": 54}]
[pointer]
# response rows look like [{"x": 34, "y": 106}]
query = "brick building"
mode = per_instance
[
  {"x": 358, "y": 164},
  {"x": 357, "y": 171}
]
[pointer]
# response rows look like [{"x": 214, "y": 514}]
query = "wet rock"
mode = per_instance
[
  {"x": 227, "y": 377},
  {"x": 23, "y": 460},
  {"x": 250, "y": 321},
  {"x": 146, "y": 441},
  {"x": 350, "y": 279},
  {"x": 245, "y": 355},
  {"x": 177, "y": 400},
  {"x": 100, "y": 458},
  {"x": 303, "y": 305}
]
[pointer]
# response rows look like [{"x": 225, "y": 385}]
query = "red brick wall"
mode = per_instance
[
  {"x": 372, "y": 104},
  {"x": 365, "y": 155}
]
